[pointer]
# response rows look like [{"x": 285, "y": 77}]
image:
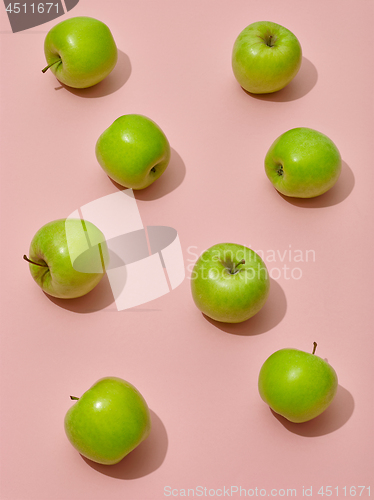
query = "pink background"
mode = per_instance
[{"x": 210, "y": 427}]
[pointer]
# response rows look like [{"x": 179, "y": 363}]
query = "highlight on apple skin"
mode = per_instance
[
  {"x": 51, "y": 254},
  {"x": 80, "y": 52},
  {"x": 266, "y": 57},
  {"x": 297, "y": 385},
  {"x": 133, "y": 151},
  {"x": 230, "y": 283},
  {"x": 109, "y": 421},
  {"x": 303, "y": 163}
]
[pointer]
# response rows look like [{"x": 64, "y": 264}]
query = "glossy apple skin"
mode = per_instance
[
  {"x": 227, "y": 297},
  {"x": 50, "y": 246},
  {"x": 86, "y": 49},
  {"x": 303, "y": 163},
  {"x": 260, "y": 68},
  {"x": 133, "y": 151},
  {"x": 108, "y": 421},
  {"x": 296, "y": 384}
]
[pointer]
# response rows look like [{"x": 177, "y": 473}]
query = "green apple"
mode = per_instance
[
  {"x": 297, "y": 385},
  {"x": 80, "y": 52},
  {"x": 133, "y": 151},
  {"x": 59, "y": 244},
  {"x": 303, "y": 163},
  {"x": 108, "y": 421},
  {"x": 230, "y": 283},
  {"x": 265, "y": 57}
]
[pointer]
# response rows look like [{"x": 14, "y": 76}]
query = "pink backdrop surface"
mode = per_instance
[{"x": 210, "y": 428}]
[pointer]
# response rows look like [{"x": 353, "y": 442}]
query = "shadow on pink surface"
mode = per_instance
[
  {"x": 99, "y": 298},
  {"x": 267, "y": 318},
  {"x": 169, "y": 180},
  {"x": 334, "y": 196},
  {"x": 301, "y": 85},
  {"x": 336, "y": 415},
  {"x": 113, "y": 82},
  {"x": 144, "y": 460}
]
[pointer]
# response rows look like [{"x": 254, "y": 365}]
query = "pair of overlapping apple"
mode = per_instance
[{"x": 230, "y": 282}]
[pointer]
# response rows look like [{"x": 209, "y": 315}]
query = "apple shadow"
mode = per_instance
[
  {"x": 266, "y": 319},
  {"x": 144, "y": 460},
  {"x": 140, "y": 310},
  {"x": 301, "y": 85},
  {"x": 334, "y": 417},
  {"x": 338, "y": 193},
  {"x": 98, "y": 298},
  {"x": 113, "y": 82},
  {"x": 169, "y": 180}
]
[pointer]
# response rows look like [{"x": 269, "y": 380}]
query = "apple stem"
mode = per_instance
[
  {"x": 74, "y": 397},
  {"x": 49, "y": 65},
  {"x": 314, "y": 347},
  {"x": 35, "y": 263},
  {"x": 269, "y": 40},
  {"x": 234, "y": 269}
]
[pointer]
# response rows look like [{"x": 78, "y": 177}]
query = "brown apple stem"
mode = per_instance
[
  {"x": 234, "y": 268},
  {"x": 314, "y": 347},
  {"x": 74, "y": 397},
  {"x": 49, "y": 65},
  {"x": 35, "y": 263}
]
